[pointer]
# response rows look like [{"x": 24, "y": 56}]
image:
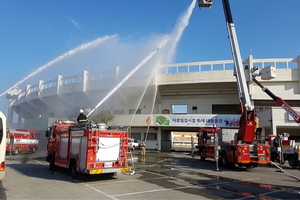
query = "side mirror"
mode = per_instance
[{"x": 47, "y": 134}]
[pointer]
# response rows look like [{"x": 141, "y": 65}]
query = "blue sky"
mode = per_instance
[{"x": 35, "y": 32}]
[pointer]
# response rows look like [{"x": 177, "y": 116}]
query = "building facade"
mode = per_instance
[{"x": 180, "y": 98}]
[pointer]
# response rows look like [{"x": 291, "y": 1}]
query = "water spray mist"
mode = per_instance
[
  {"x": 130, "y": 74},
  {"x": 59, "y": 58}
]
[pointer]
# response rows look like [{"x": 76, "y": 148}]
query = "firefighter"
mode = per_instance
[
  {"x": 143, "y": 148},
  {"x": 258, "y": 129},
  {"x": 256, "y": 121},
  {"x": 81, "y": 117}
]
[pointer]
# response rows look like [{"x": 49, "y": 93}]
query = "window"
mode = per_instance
[
  {"x": 194, "y": 110},
  {"x": 152, "y": 136},
  {"x": 118, "y": 112},
  {"x": 179, "y": 109},
  {"x": 226, "y": 109},
  {"x": 138, "y": 111},
  {"x": 136, "y": 136}
]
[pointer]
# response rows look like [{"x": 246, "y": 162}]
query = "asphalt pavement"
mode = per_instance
[{"x": 271, "y": 176}]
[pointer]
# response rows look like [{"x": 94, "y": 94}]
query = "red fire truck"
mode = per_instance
[
  {"x": 241, "y": 146},
  {"x": 223, "y": 146},
  {"x": 283, "y": 149},
  {"x": 21, "y": 140},
  {"x": 87, "y": 148}
]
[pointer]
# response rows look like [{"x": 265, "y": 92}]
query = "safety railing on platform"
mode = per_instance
[{"x": 279, "y": 63}]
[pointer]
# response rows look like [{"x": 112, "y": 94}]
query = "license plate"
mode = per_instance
[{"x": 107, "y": 164}]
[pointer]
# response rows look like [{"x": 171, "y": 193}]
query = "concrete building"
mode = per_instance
[{"x": 181, "y": 97}]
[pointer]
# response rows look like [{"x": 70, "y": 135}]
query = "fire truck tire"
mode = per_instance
[
  {"x": 202, "y": 155},
  {"x": 73, "y": 169},
  {"x": 33, "y": 150},
  {"x": 16, "y": 151},
  {"x": 293, "y": 162},
  {"x": 51, "y": 163},
  {"x": 112, "y": 174},
  {"x": 225, "y": 162}
]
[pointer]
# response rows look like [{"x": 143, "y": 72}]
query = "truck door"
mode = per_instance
[{"x": 83, "y": 152}]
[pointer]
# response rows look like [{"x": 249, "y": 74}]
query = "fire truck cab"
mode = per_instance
[{"x": 87, "y": 148}]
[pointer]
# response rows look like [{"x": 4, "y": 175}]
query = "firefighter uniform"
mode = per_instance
[
  {"x": 143, "y": 148},
  {"x": 256, "y": 122},
  {"x": 81, "y": 117}
]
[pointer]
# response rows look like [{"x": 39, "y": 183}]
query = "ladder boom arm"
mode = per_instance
[
  {"x": 279, "y": 101},
  {"x": 237, "y": 59}
]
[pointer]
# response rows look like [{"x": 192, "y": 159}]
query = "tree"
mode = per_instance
[{"x": 103, "y": 117}]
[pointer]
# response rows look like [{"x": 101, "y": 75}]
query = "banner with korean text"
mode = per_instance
[{"x": 198, "y": 120}]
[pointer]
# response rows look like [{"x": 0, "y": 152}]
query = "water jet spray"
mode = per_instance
[
  {"x": 59, "y": 58},
  {"x": 130, "y": 74}
]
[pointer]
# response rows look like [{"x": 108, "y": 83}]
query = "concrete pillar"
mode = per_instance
[
  {"x": 58, "y": 84},
  {"x": 298, "y": 62},
  {"x": 20, "y": 116},
  {"x": 41, "y": 88},
  {"x": 27, "y": 90},
  {"x": 159, "y": 139},
  {"x": 84, "y": 80},
  {"x": 10, "y": 114}
]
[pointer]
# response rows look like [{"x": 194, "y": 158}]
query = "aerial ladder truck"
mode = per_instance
[
  {"x": 282, "y": 148},
  {"x": 243, "y": 146},
  {"x": 246, "y": 133}
]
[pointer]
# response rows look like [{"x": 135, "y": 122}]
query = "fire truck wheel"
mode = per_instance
[
  {"x": 202, "y": 157},
  {"x": 16, "y": 151},
  {"x": 73, "y": 169},
  {"x": 112, "y": 174},
  {"x": 293, "y": 162},
  {"x": 224, "y": 160},
  {"x": 33, "y": 150},
  {"x": 51, "y": 163}
]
